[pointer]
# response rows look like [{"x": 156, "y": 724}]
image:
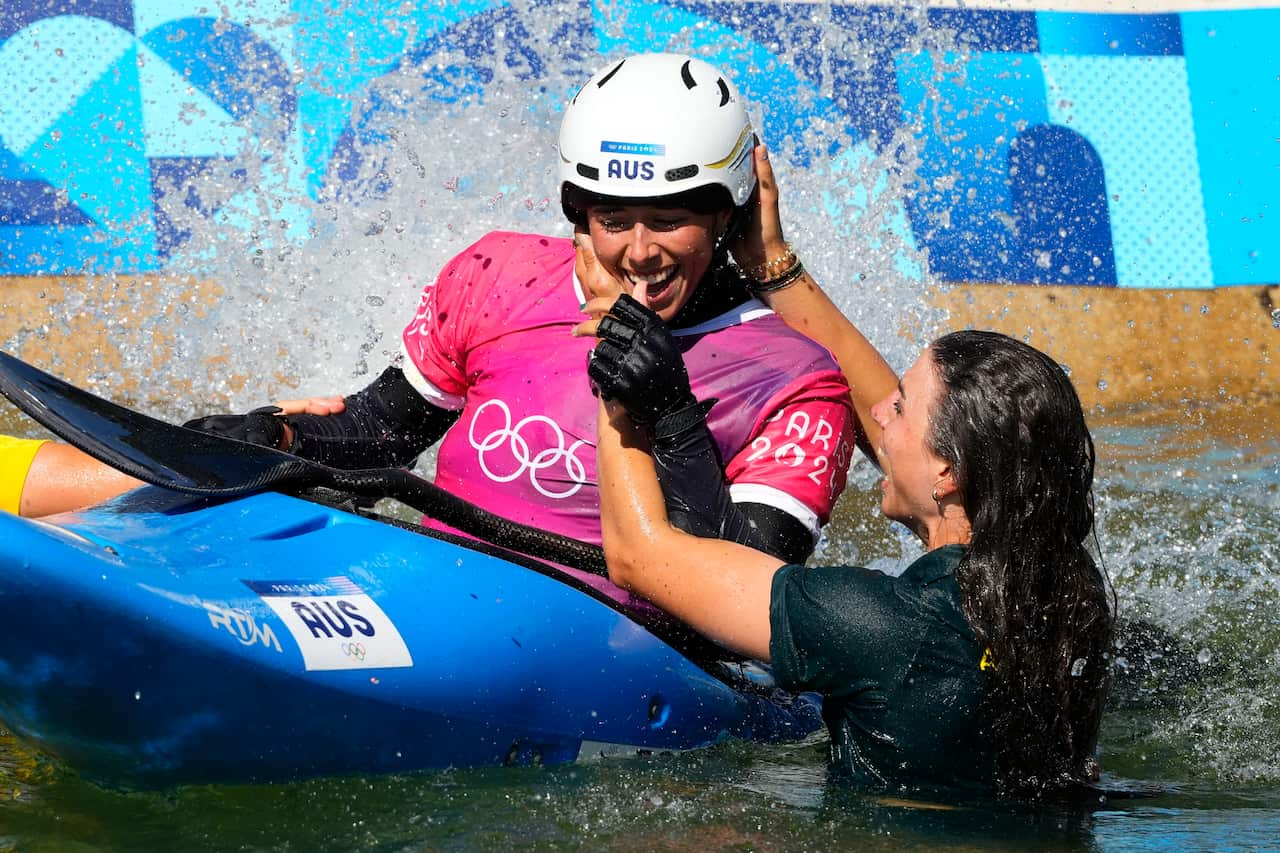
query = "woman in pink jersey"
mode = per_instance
[{"x": 656, "y": 170}]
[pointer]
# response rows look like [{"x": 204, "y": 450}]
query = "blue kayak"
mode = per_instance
[{"x": 165, "y": 638}]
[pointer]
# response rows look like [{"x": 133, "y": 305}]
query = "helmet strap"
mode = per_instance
[
  {"x": 720, "y": 249},
  {"x": 721, "y": 288}
]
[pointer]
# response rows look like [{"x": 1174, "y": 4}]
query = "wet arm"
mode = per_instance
[
  {"x": 62, "y": 478},
  {"x": 806, "y": 308},
  {"x": 720, "y": 588}
]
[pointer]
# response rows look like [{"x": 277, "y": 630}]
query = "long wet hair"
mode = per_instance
[{"x": 1011, "y": 425}]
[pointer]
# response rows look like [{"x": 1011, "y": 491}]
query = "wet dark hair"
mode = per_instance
[
  {"x": 708, "y": 199},
  {"x": 1011, "y": 425}
]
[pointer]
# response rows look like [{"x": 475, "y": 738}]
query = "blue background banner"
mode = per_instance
[{"x": 1051, "y": 147}]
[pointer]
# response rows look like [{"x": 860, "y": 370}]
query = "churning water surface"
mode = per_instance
[{"x": 1189, "y": 746}]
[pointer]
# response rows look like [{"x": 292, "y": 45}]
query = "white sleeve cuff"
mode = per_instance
[
  {"x": 433, "y": 395},
  {"x": 755, "y": 493}
]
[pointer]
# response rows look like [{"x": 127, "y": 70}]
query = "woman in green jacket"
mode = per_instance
[{"x": 984, "y": 664}]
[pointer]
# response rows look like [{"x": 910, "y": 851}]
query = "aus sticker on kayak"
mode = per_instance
[{"x": 336, "y": 625}]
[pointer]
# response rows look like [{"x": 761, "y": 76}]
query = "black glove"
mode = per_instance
[
  {"x": 261, "y": 426},
  {"x": 637, "y": 363}
]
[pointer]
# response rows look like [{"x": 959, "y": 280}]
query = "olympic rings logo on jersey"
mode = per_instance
[
  {"x": 356, "y": 651},
  {"x": 540, "y": 466}
]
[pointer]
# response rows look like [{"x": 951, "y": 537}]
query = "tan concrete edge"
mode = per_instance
[
  {"x": 78, "y": 326},
  {"x": 1127, "y": 347},
  {"x": 1124, "y": 347}
]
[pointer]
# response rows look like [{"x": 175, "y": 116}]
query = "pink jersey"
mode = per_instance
[{"x": 492, "y": 338}]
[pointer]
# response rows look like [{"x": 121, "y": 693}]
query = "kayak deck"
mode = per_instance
[{"x": 162, "y": 639}]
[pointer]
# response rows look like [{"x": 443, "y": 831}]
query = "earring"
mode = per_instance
[{"x": 934, "y": 494}]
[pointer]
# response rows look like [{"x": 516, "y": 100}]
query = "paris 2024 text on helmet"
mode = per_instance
[{"x": 652, "y": 126}]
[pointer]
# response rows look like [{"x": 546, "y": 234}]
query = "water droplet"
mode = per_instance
[{"x": 1102, "y": 384}]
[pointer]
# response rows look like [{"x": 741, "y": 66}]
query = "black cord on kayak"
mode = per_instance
[{"x": 443, "y": 506}]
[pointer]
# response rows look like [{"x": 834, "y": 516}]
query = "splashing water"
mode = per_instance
[{"x": 433, "y": 160}]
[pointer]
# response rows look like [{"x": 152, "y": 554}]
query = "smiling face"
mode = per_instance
[
  {"x": 665, "y": 250},
  {"x": 911, "y": 469}
]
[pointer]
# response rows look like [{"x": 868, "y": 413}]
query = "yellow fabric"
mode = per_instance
[{"x": 16, "y": 456}]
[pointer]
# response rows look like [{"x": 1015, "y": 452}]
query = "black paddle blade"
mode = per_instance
[{"x": 155, "y": 452}]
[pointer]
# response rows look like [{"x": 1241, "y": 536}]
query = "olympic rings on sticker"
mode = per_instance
[
  {"x": 356, "y": 651},
  {"x": 517, "y": 445}
]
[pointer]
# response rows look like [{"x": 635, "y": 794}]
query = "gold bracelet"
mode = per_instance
[
  {"x": 772, "y": 268},
  {"x": 784, "y": 279}
]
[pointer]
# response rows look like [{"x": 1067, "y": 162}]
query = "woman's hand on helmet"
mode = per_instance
[{"x": 760, "y": 237}]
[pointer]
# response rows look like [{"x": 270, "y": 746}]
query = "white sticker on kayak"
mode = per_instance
[{"x": 335, "y": 624}]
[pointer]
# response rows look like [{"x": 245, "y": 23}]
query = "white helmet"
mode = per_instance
[{"x": 653, "y": 125}]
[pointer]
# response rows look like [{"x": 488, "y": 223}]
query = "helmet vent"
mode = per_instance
[
  {"x": 606, "y": 78},
  {"x": 591, "y": 173},
  {"x": 687, "y": 76},
  {"x": 682, "y": 173},
  {"x": 724, "y": 91}
]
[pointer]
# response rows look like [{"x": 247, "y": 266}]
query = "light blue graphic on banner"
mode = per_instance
[
  {"x": 181, "y": 120},
  {"x": 644, "y": 149},
  {"x": 1077, "y": 34},
  {"x": 1054, "y": 147},
  {"x": 348, "y": 46},
  {"x": 47, "y": 68},
  {"x": 1003, "y": 192},
  {"x": 71, "y": 97},
  {"x": 1128, "y": 123},
  {"x": 1233, "y": 74}
]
